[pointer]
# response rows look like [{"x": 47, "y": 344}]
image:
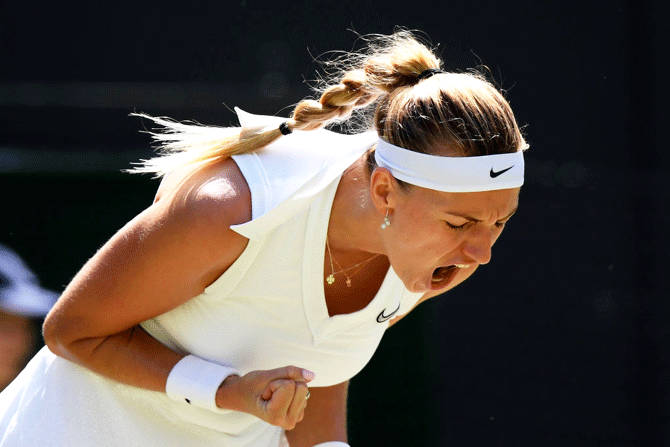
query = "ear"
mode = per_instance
[{"x": 383, "y": 189}]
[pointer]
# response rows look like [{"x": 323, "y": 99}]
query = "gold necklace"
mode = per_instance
[{"x": 330, "y": 279}]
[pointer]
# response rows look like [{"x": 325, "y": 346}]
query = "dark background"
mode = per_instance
[{"x": 563, "y": 340}]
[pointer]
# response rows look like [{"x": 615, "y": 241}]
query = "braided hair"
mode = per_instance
[{"x": 396, "y": 82}]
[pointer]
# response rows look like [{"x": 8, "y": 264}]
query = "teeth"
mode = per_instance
[{"x": 461, "y": 266}]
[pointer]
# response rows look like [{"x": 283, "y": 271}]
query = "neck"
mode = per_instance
[{"x": 354, "y": 221}]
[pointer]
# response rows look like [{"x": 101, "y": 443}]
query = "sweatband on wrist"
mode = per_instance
[
  {"x": 452, "y": 174},
  {"x": 195, "y": 381},
  {"x": 333, "y": 444}
]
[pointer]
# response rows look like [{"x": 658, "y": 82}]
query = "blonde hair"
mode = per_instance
[{"x": 461, "y": 112}]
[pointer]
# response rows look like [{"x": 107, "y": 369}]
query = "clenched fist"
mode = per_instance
[{"x": 278, "y": 396}]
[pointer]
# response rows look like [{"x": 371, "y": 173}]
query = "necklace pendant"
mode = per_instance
[
  {"x": 330, "y": 279},
  {"x": 348, "y": 282}
]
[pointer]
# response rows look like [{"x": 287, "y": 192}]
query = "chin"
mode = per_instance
[
  {"x": 417, "y": 286},
  {"x": 416, "y": 289}
]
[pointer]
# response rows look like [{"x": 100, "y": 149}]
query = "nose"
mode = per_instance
[{"x": 478, "y": 246}]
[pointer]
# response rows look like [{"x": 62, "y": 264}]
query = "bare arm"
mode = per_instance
[
  {"x": 159, "y": 260},
  {"x": 164, "y": 257},
  {"x": 325, "y": 417}
]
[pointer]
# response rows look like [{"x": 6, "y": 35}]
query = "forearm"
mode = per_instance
[
  {"x": 131, "y": 357},
  {"x": 135, "y": 358},
  {"x": 325, "y": 418}
]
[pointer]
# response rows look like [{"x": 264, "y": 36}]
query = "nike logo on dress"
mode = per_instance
[
  {"x": 382, "y": 318},
  {"x": 494, "y": 174}
]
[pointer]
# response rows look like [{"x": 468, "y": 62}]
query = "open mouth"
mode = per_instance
[{"x": 442, "y": 276}]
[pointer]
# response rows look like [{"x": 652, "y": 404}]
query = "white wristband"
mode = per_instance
[
  {"x": 333, "y": 444},
  {"x": 195, "y": 381}
]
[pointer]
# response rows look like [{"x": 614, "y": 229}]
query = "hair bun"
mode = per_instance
[{"x": 428, "y": 73}]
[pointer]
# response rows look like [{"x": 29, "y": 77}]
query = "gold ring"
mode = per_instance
[{"x": 307, "y": 396}]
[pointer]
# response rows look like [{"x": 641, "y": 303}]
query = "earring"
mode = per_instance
[{"x": 387, "y": 222}]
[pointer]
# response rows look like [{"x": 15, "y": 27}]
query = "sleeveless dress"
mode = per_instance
[{"x": 266, "y": 311}]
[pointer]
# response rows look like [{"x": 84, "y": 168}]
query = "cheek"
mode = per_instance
[
  {"x": 405, "y": 243},
  {"x": 412, "y": 232},
  {"x": 424, "y": 239}
]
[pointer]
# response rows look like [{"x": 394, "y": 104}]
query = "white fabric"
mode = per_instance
[
  {"x": 55, "y": 403},
  {"x": 266, "y": 311},
  {"x": 452, "y": 174},
  {"x": 196, "y": 381},
  {"x": 288, "y": 184}
]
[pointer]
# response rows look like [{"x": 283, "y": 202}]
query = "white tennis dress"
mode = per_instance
[{"x": 266, "y": 311}]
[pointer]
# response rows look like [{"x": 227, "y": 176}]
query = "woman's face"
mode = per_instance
[{"x": 437, "y": 239}]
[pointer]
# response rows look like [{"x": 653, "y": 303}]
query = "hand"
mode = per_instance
[{"x": 278, "y": 396}]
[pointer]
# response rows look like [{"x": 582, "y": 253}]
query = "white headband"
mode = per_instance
[{"x": 452, "y": 174}]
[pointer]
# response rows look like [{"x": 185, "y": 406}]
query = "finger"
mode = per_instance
[
  {"x": 294, "y": 373},
  {"x": 301, "y": 416},
  {"x": 282, "y": 397},
  {"x": 267, "y": 392},
  {"x": 272, "y": 387},
  {"x": 298, "y": 403}
]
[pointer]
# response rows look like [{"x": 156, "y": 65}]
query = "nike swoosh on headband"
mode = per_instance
[{"x": 496, "y": 174}]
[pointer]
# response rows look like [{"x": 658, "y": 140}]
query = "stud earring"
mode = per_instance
[{"x": 387, "y": 222}]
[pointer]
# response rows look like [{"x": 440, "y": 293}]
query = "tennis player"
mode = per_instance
[{"x": 234, "y": 310}]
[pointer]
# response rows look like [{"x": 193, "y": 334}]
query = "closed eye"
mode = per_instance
[
  {"x": 499, "y": 225},
  {"x": 456, "y": 227},
  {"x": 471, "y": 220}
]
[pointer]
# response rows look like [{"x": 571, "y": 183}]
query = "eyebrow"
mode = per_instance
[{"x": 472, "y": 219}]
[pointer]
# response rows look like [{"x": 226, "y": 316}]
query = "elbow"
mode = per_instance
[
  {"x": 52, "y": 335},
  {"x": 56, "y": 335},
  {"x": 63, "y": 337}
]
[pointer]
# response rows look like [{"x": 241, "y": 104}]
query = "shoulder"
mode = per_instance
[
  {"x": 215, "y": 193},
  {"x": 192, "y": 217},
  {"x": 166, "y": 255}
]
